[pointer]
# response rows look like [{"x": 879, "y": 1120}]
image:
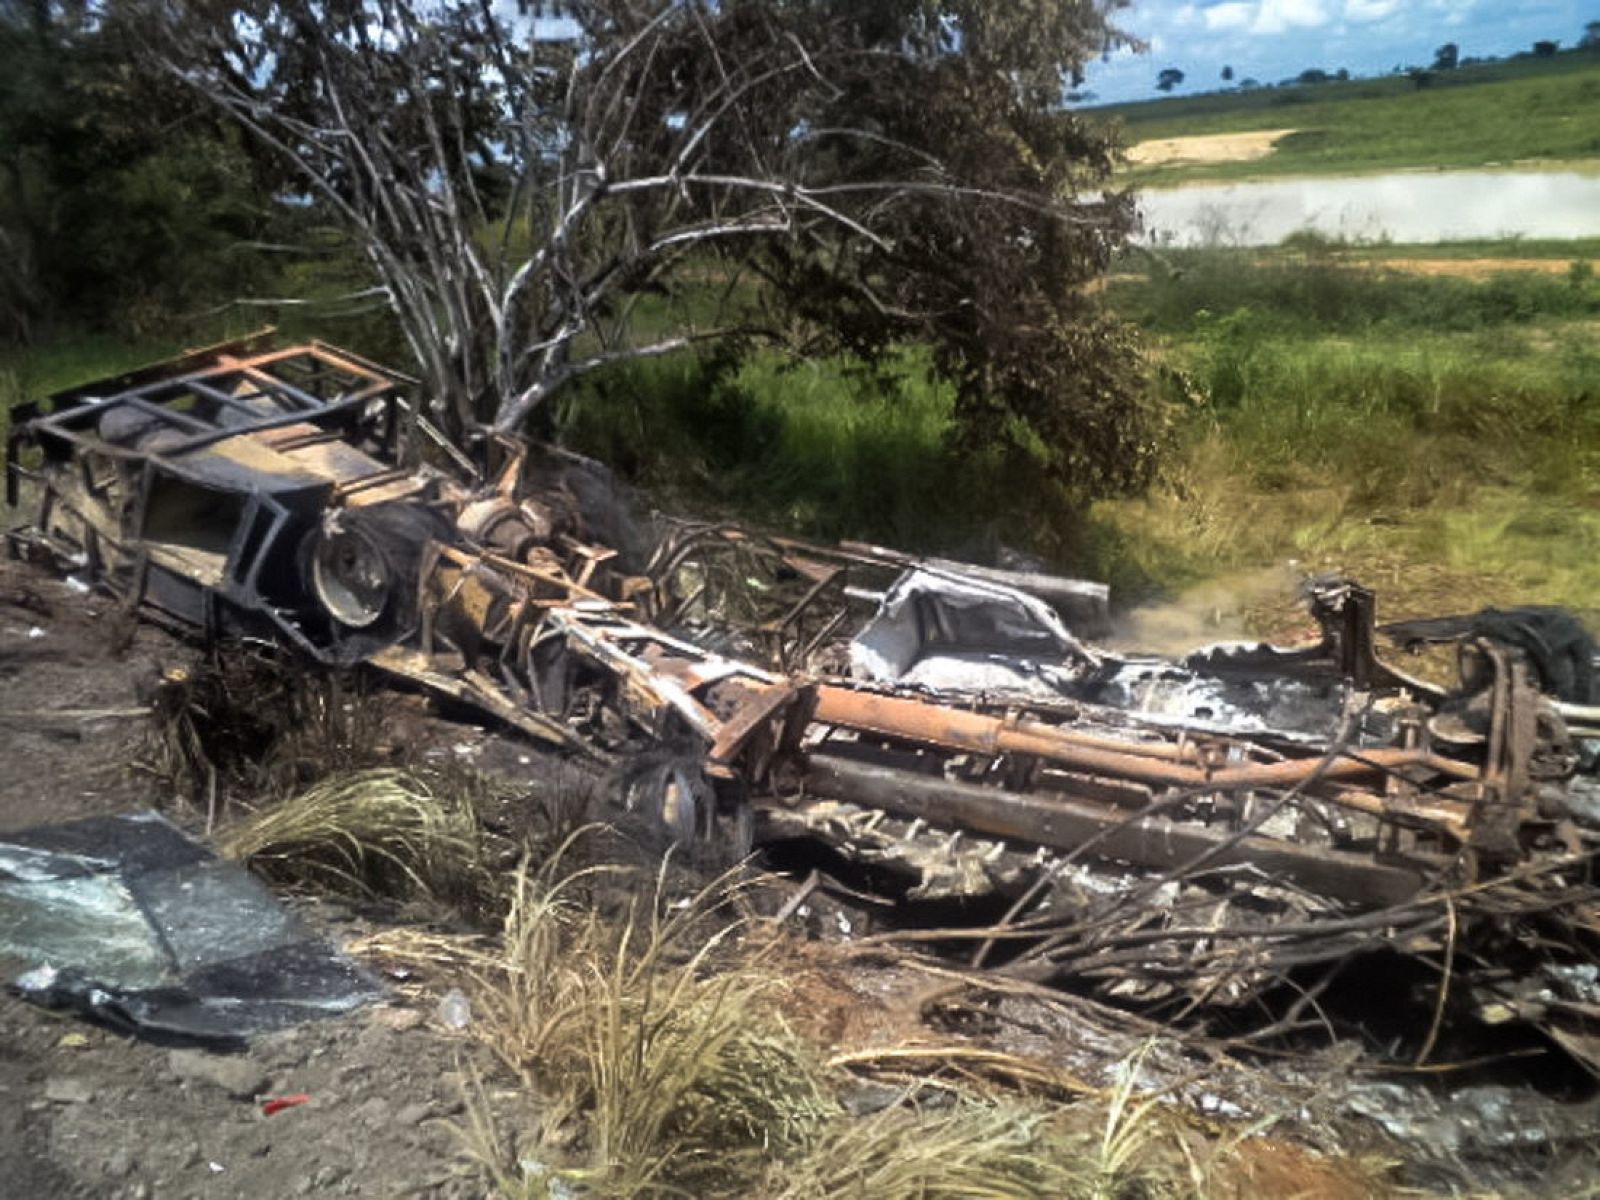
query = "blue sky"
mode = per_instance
[{"x": 1270, "y": 40}]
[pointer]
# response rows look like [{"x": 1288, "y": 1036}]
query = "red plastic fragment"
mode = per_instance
[{"x": 269, "y": 1107}]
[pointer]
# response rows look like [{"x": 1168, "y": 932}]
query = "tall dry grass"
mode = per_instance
[
  {"x": 380, "y": 832},
  {"x": 648, "y": 1057},
  {"x": 647, "y": 1044}
]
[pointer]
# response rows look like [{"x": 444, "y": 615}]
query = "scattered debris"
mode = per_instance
[
  {"x": 455, "y": 1010},
  {"x": 271, "y": 1108},
  {"x": 399, "y": 1020},
  {"x": 1219, "y": 840},
  {"x": 134, "y": 924},
  {"x": 60, "y": 1089}
]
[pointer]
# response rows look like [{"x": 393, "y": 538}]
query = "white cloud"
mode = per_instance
[
  {"x": 1267, "y": 17},
  {"x": 1370, "y": 10},
  {"x": 1280, "y": 16},
  {"x": 1236, "y": 14}
]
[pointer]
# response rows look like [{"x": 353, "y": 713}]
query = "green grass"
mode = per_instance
[
  {"x": 1438, "y": 435},
  {"x": 27, "y": 373},
  {"x": 1553, "y": 249},
  {"x": 1336, "y": 414},
  {"x": 1402, "y": 420},
  {"x": 830, "y": 449},
  {"x": 1319, "y": 288},
  {"x": 1498, "y": 113},
  {"x": 68, "y": 356}
]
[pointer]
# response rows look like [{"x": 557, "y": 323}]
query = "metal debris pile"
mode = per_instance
[{"x": 1226, "y": 839}]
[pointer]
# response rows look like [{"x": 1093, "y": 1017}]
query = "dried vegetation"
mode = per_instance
[
  {"x": 245, "y": 721},
  {"x": 645, "y": 1041},
  {"x": 651, "y": 1058},
  {"x": 376, "y": 832},
  {"x": 296, "y": 773},
  {"x": 635, "y": 1019}
]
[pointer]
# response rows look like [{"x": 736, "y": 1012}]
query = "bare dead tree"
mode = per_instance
[{"x": 527, "y": 191}]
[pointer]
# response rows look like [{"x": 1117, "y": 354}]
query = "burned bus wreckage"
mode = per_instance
[{"x": 1220, "y": 833}]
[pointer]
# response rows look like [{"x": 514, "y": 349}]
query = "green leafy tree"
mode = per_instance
[
  {"x": 541, "y": 201},
  {"x": 123, "y": 199}
]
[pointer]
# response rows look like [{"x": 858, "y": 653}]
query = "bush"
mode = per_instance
[{"x": 831, "y": 449}]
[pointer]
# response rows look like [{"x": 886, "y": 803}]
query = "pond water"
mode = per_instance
[{"x": 1433, "y": 206}]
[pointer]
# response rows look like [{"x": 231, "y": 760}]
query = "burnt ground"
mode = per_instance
[{"x": 85, "y": 1112}]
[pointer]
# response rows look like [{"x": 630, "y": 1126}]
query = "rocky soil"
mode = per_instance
[{"x": 84, "y": 1112}]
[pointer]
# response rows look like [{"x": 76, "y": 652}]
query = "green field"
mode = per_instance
[
  {"x": 1549, "y": 250},
  {"x": 1519, "y": 111},
  {"x": 1440, "y": 433},
  {"x": 1438, "y": 436}
]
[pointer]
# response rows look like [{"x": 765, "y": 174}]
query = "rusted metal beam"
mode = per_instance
[
  {"x": 977, "y": 733},
  {"x": 470, "y": 687},
  {"x": 1507, "y": 799},
  {"x": 760, "y": 709},
  {"x": 1059, "y": 823}
]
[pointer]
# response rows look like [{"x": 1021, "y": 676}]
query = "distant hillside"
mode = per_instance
[{"x": 1526, "y": 109}]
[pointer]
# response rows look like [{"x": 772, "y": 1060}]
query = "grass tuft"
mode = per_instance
[
  {"x": 1115, "y": 1168},
  {"x": 377, "y": 832},
  {"x": 970, "y": 1150},
  {"x": 647, "y": 1044}
]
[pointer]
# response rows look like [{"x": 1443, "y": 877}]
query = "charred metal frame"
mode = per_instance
[
  {"x": 518, "y": 612},
  {"x": 267, "y": 439}
]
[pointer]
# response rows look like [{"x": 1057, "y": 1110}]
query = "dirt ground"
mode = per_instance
[
  {"x": 1207, "y": 148},
  {"x": 1476, "y": 268},
  {"x": 87, "y": 1113}
]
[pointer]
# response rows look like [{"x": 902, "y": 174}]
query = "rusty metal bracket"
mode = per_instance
[{"x": 1506, "y": 798}]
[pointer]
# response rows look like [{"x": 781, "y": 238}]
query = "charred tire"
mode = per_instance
[
  {"x": 669, "y": 790},
  {"x": 673, "y": 797},
  {"x": 363, "y": 566}
]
